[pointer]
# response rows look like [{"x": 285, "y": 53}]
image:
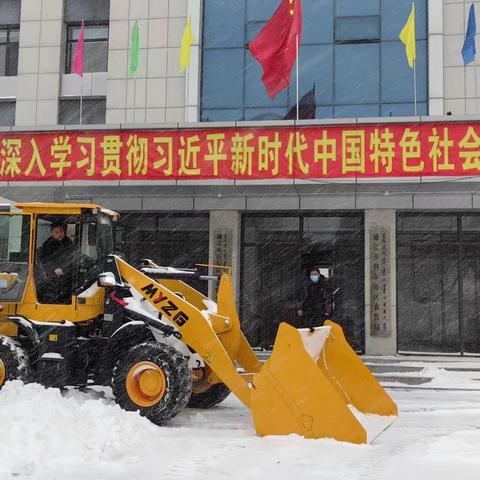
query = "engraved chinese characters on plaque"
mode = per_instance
[
  {"x": 223, "y": 247},
  {"x": 380, "y": 318}
]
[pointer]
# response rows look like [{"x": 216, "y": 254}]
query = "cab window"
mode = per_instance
[
  {"x": 14, "y": 252},
  {"x": 88, "y": 270},
  {"x": 56, "y": 259}
]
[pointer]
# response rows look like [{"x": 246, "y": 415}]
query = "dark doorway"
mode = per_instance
[
  {"x": 277, "y": 252},
  {"x": 438, "y": 283}
]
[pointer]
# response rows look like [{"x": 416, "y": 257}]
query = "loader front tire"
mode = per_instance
[
  {"x": 213, "y": 396},
  {"x": 13, "y": 361},
  {"x": 154, "y": 379}
]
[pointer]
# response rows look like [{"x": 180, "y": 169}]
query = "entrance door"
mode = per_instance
[
  {"x": 278, "y": 250},
  {"x": 271, "y": 271},
  {"x": 438, "y": 283},
  {"x": 335, "y": 242},
  {"x": 428, "y": 306},
  {"x": 278, "y": 288},
  {"x": 470, "y": 272}
]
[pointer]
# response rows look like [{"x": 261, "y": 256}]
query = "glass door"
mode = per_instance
[
  {"x": 438, "y": 283},
  {"x": 277, "y": 252}
]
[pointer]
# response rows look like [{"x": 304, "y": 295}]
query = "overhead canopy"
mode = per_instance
[{"x": 63, "y": 208}]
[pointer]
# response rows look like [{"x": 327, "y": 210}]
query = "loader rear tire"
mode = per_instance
[
  {"x": 216, "y": 394},
  {"x": 154, "y": 379},
  {"x": 13, "y": 361}
]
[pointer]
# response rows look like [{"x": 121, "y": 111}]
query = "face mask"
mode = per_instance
[{"x": 314, "y": 278}]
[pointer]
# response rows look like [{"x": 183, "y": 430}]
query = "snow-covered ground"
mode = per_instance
[{"x": 84, "y": 435}]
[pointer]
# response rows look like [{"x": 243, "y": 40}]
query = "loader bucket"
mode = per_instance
[
  {"x": 294, "y": 394},
  {"x": 351, "y": 378}
]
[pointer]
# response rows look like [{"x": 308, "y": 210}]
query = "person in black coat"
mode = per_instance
[
  {"x": 55, "y": 262},
  {"x": 315, "y": 304}
]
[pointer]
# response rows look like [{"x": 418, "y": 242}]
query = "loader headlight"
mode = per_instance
[{"x": 107, "y": 280}]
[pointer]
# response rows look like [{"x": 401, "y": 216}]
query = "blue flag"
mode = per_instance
[{"x": 469, "y": 50}]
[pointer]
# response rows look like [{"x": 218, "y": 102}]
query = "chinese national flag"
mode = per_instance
[{"x": 275, "y": 46}]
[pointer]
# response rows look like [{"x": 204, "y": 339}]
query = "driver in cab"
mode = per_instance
[{"x": 56, "y": 258}]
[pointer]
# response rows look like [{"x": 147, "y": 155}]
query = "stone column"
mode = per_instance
[
  {"x": 380, "y": 282},
  {"x": 224, "y": 248}
]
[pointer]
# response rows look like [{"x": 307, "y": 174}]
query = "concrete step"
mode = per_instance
[{"x": 406, "y": 371}]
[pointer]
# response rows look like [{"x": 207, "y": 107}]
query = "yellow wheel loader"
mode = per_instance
[{"x": 90, "y": 318}]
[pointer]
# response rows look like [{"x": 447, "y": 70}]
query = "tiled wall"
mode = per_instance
[
  {"x": 39, "y": 62},
  {"x": 158, "y": 91}
]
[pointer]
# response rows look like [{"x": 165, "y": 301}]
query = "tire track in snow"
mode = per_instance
[{"x": 199, "y": 465}]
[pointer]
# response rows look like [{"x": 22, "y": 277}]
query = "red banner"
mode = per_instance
[{"x": 368, "y": 151}]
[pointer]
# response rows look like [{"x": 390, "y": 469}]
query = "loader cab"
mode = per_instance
[{"x": 24, "y": 232}]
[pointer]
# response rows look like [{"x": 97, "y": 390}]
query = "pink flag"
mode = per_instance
[{"x": 77, "y": 66}]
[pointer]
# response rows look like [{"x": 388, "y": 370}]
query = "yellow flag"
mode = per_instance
[
  {"x": 407, "y": 36},
  {"x": 187, "y": 41}
]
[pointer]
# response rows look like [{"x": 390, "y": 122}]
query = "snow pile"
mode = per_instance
[
  {"x": 452, "y": 456},
  {"x": 449, "y": 379},
  {"x": 46, "y": 435}
]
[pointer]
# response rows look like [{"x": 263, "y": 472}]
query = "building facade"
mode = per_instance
[{"x": 404, "y": 246}]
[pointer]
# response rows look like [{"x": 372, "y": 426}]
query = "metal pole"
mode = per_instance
[
  {"x": 465, "y": 66},
  {"x": 134, "y": 97},
  {"x": 415, "y": 85},
  {"x": 81, "y": 104},
  {"x": 298, "y": 106},
  {"x": 476, "y": 88},
  {"x": 414, "y": 69}
]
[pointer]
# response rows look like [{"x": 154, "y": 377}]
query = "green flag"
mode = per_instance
[{"x": 134, "y": 51}]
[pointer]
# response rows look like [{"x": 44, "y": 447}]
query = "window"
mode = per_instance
[
  {"x": 56, "y": 258},
  {"x": 357, "y": 76},
  {"x": 350, "y": 50},
  {"x": 14, "y": 237},
  {"x": 105, "y": 245},
  {"x": 14, "y": 251},
  {"x": 88, "y": 10},
  {"x": 344, "y": 8},
  {"x": 96, "y": 15},
  {"x": 9, "y": 50},
  {"x": 357, "y": 29},
  {"x": 88, "y": 262},
  {"x": 93, "y": 111},
  {"x": 96, "y": 47},
  {"x": 7, "y": 114}
]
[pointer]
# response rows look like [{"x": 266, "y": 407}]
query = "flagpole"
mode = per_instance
[
  {"x": 296, "y": 69},
  {"x": 415, "y": 85},
  {"x": 81, "y": 103},
  {"x": 78, "y": 65},
  {"x": 134, "y": 97},
  {"x": 414, "y": 69},
  {"x": 476, "y": 87}
]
